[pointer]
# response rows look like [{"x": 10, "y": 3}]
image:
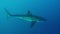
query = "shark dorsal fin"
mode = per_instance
[{"x": 29, "y": 13}]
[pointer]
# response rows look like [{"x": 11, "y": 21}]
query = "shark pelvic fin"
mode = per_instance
[{"x": 32, "y": 23}]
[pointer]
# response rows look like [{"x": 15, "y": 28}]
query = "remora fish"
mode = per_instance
[{"x": 28, "y": 17}]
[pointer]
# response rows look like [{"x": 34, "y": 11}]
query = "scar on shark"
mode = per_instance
[{"x": 28, "y": 17}]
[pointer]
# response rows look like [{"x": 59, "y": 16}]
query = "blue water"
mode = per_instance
[{"x": 49, "y": 9}]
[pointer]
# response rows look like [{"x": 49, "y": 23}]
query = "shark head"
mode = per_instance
[{"x": 28, "y": 17}]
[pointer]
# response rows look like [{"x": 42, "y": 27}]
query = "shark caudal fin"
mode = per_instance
[{"x": 7, "y": 12}]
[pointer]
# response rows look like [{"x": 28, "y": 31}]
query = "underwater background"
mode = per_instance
[{"x": 49, "y": 9}]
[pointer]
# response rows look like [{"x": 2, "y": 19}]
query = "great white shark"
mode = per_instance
[{"x": 28, "y": 17}]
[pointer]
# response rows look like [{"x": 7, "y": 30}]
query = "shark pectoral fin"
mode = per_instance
[{"x": 32, "y": 23}]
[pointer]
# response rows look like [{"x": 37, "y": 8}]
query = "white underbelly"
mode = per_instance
[{"x": 26, "y": 18}]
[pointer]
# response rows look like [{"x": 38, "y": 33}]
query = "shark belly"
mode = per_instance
[
  {"x": 26, "y": 18},
  {"x": 29, "y": 19}
]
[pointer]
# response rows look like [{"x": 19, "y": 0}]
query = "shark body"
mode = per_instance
[{"x": 28, "y": 17}]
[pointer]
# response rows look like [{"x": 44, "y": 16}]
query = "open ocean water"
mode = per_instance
[{"x": 49, "y": 9}]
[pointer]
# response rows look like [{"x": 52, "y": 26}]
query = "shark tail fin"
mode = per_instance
[{"x": 7, "y": 12}]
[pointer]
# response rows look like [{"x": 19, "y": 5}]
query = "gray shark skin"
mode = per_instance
[{"x": 28, "y": 17}]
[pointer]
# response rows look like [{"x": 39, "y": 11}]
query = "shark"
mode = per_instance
[{"x": 27, "y": 17}]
